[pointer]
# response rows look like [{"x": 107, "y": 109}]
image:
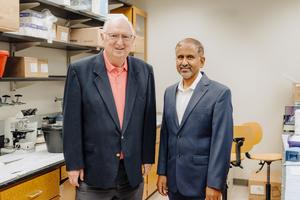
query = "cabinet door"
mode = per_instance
[
  {"x": 139, "y": 21},
  {"x": 43, "y": 187}
]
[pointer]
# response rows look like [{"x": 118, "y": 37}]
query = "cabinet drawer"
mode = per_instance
[
  {"x": 44, "y": 187},
  {"x": 63, "y": 173}
]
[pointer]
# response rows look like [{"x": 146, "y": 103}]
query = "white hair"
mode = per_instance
[{"x": 117, "y": 17}]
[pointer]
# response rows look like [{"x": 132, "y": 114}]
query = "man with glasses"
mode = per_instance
[
  {"x": 110, "y": 119},
  {"x": 196, "y": 131}
]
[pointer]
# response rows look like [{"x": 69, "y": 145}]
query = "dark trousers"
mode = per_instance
[
  {"x": 178, "y": 196},
  {"x": 122, "y": 191}
]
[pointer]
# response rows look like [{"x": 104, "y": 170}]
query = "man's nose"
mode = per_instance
[
  {"x": 120, "y": 40},
  {"x": 184, "y": 62}
]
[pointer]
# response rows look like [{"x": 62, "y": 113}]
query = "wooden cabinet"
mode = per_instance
[
  {"x": 43, "y": 187},
  {"x": 138, "y": 18},
  {"x": 63, "y": 173}
]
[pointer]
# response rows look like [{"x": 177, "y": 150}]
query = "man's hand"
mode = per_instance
[
  {"x": 146, "y": 169},
  {"x": 213, "y": 194},
  {"x": 162, "y": 185},
  {"x": 74, "y": 176}
]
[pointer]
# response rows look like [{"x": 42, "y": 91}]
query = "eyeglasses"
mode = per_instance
[{"x": 125, "y": 37}]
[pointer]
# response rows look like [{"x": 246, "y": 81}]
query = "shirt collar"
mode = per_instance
[
  {"x": 193, "y": 86},
  {"x": 110, "y": 67}
]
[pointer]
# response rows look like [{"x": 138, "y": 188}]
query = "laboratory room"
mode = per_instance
[{"x": 149, "y": 99}]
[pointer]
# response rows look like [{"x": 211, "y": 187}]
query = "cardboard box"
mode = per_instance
[
  {"x": 9, "y": 15},
  {"x": 296, "y": 92},
  {"x": 43, "y": 68},
  {"x": 21, "y": 67},
  {"x": 62, "y": 34},
  {"x": 86, "y": 36},
  {"x": 257, "y": 188}
]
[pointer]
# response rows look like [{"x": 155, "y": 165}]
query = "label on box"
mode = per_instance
[
  {"x": 257, "y": 189},
  {"x": 33, "y": 67},
  {"x": 64, "y": 37},
  {"x": 44, "y": 68}
]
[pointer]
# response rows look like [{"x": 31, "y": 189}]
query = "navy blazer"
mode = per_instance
[
  {"x": 196, "y": 153},
  {"x": 92, "y": 136}
]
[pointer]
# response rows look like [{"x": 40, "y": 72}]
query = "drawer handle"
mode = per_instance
[{"x": 35, "y": 194}]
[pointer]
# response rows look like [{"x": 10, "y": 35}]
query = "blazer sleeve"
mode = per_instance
[
  {"x": 72, "y": 126},
  {"x": 149, "y": 135},
  {"x": 221, "y": 141},
  {"x": 163, "y": 146}
]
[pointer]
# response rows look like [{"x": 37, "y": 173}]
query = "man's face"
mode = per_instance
[
  {"x": 188, "y": 61},
  {"x": 118, "y": 40}
]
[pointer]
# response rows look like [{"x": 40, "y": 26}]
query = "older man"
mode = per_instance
[
  {"x": 196, "y": 132},
  {"x": 110, "y": 119}
]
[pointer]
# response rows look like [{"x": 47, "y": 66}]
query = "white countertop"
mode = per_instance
[{"x": 26, "y": 163}]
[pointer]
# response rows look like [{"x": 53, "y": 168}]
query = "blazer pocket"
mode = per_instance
[{"x": 200, "y": 160}]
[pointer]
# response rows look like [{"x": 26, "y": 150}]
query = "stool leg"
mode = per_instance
[{"x": 268, "y": 184}]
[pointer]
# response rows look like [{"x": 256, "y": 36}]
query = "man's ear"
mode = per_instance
[
  {"x": 202, "y": 60},
  {"x": 102, "y": 35}
]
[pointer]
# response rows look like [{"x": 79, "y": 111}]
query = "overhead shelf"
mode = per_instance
[
  {"x": 67, "y": 12},
  {"x": 23, "y": 39}
]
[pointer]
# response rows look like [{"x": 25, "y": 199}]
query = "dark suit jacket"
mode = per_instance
[
  {"x": 92, "y": 133},
  {"x": 196, "y": 153}
]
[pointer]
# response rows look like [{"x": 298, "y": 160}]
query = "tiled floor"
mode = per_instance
[{"x": 236, "y": 193}]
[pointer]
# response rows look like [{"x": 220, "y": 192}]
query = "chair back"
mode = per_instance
[
  {"x": 256, "y": 130},
  {"x": 243, "y": 131}
]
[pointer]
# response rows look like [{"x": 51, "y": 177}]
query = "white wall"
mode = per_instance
[{"x": 249, "y": 46}]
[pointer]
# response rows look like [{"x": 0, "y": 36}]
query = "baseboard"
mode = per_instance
[{"x": 239, "y": 181}]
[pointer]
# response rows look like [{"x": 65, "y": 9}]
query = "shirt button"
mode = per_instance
[
  {"x": 118, "y": 154},
  {"x": 122, "y": 137},
  {"x": 178, "y": 136}
]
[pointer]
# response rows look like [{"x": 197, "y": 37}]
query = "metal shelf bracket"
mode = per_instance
[{"x": 21, "y": 46}]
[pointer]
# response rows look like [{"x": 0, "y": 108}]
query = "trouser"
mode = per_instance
[
  {"x": 122, "y": 191},
  {"x": 178, "y": 196}
]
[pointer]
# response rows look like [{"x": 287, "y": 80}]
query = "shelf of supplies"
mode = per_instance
[
  {"x": 16, "y": 79},
  {"x": 67, "y": 12},
  {"x": 16, "y": 38}
]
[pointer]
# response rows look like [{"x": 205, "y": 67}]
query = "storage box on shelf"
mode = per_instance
[
  {"x": 9, "y": 16},
  {"x": 26, "y": 67},
  {"x": 87, "y": 36},
  {"x": 62, "y": 34}
]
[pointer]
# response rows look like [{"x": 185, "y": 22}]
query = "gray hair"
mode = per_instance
[
  {"x": 193, "y": 41},
  {"x": 117, "y": 17}
]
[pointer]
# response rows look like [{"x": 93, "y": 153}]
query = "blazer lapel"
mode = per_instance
[
  {"x": 198, "y": 93},
  {"x": 131, "y": 91},
  {"x": 102, "y": 84},
  {"x": 173, "y": 106}
]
